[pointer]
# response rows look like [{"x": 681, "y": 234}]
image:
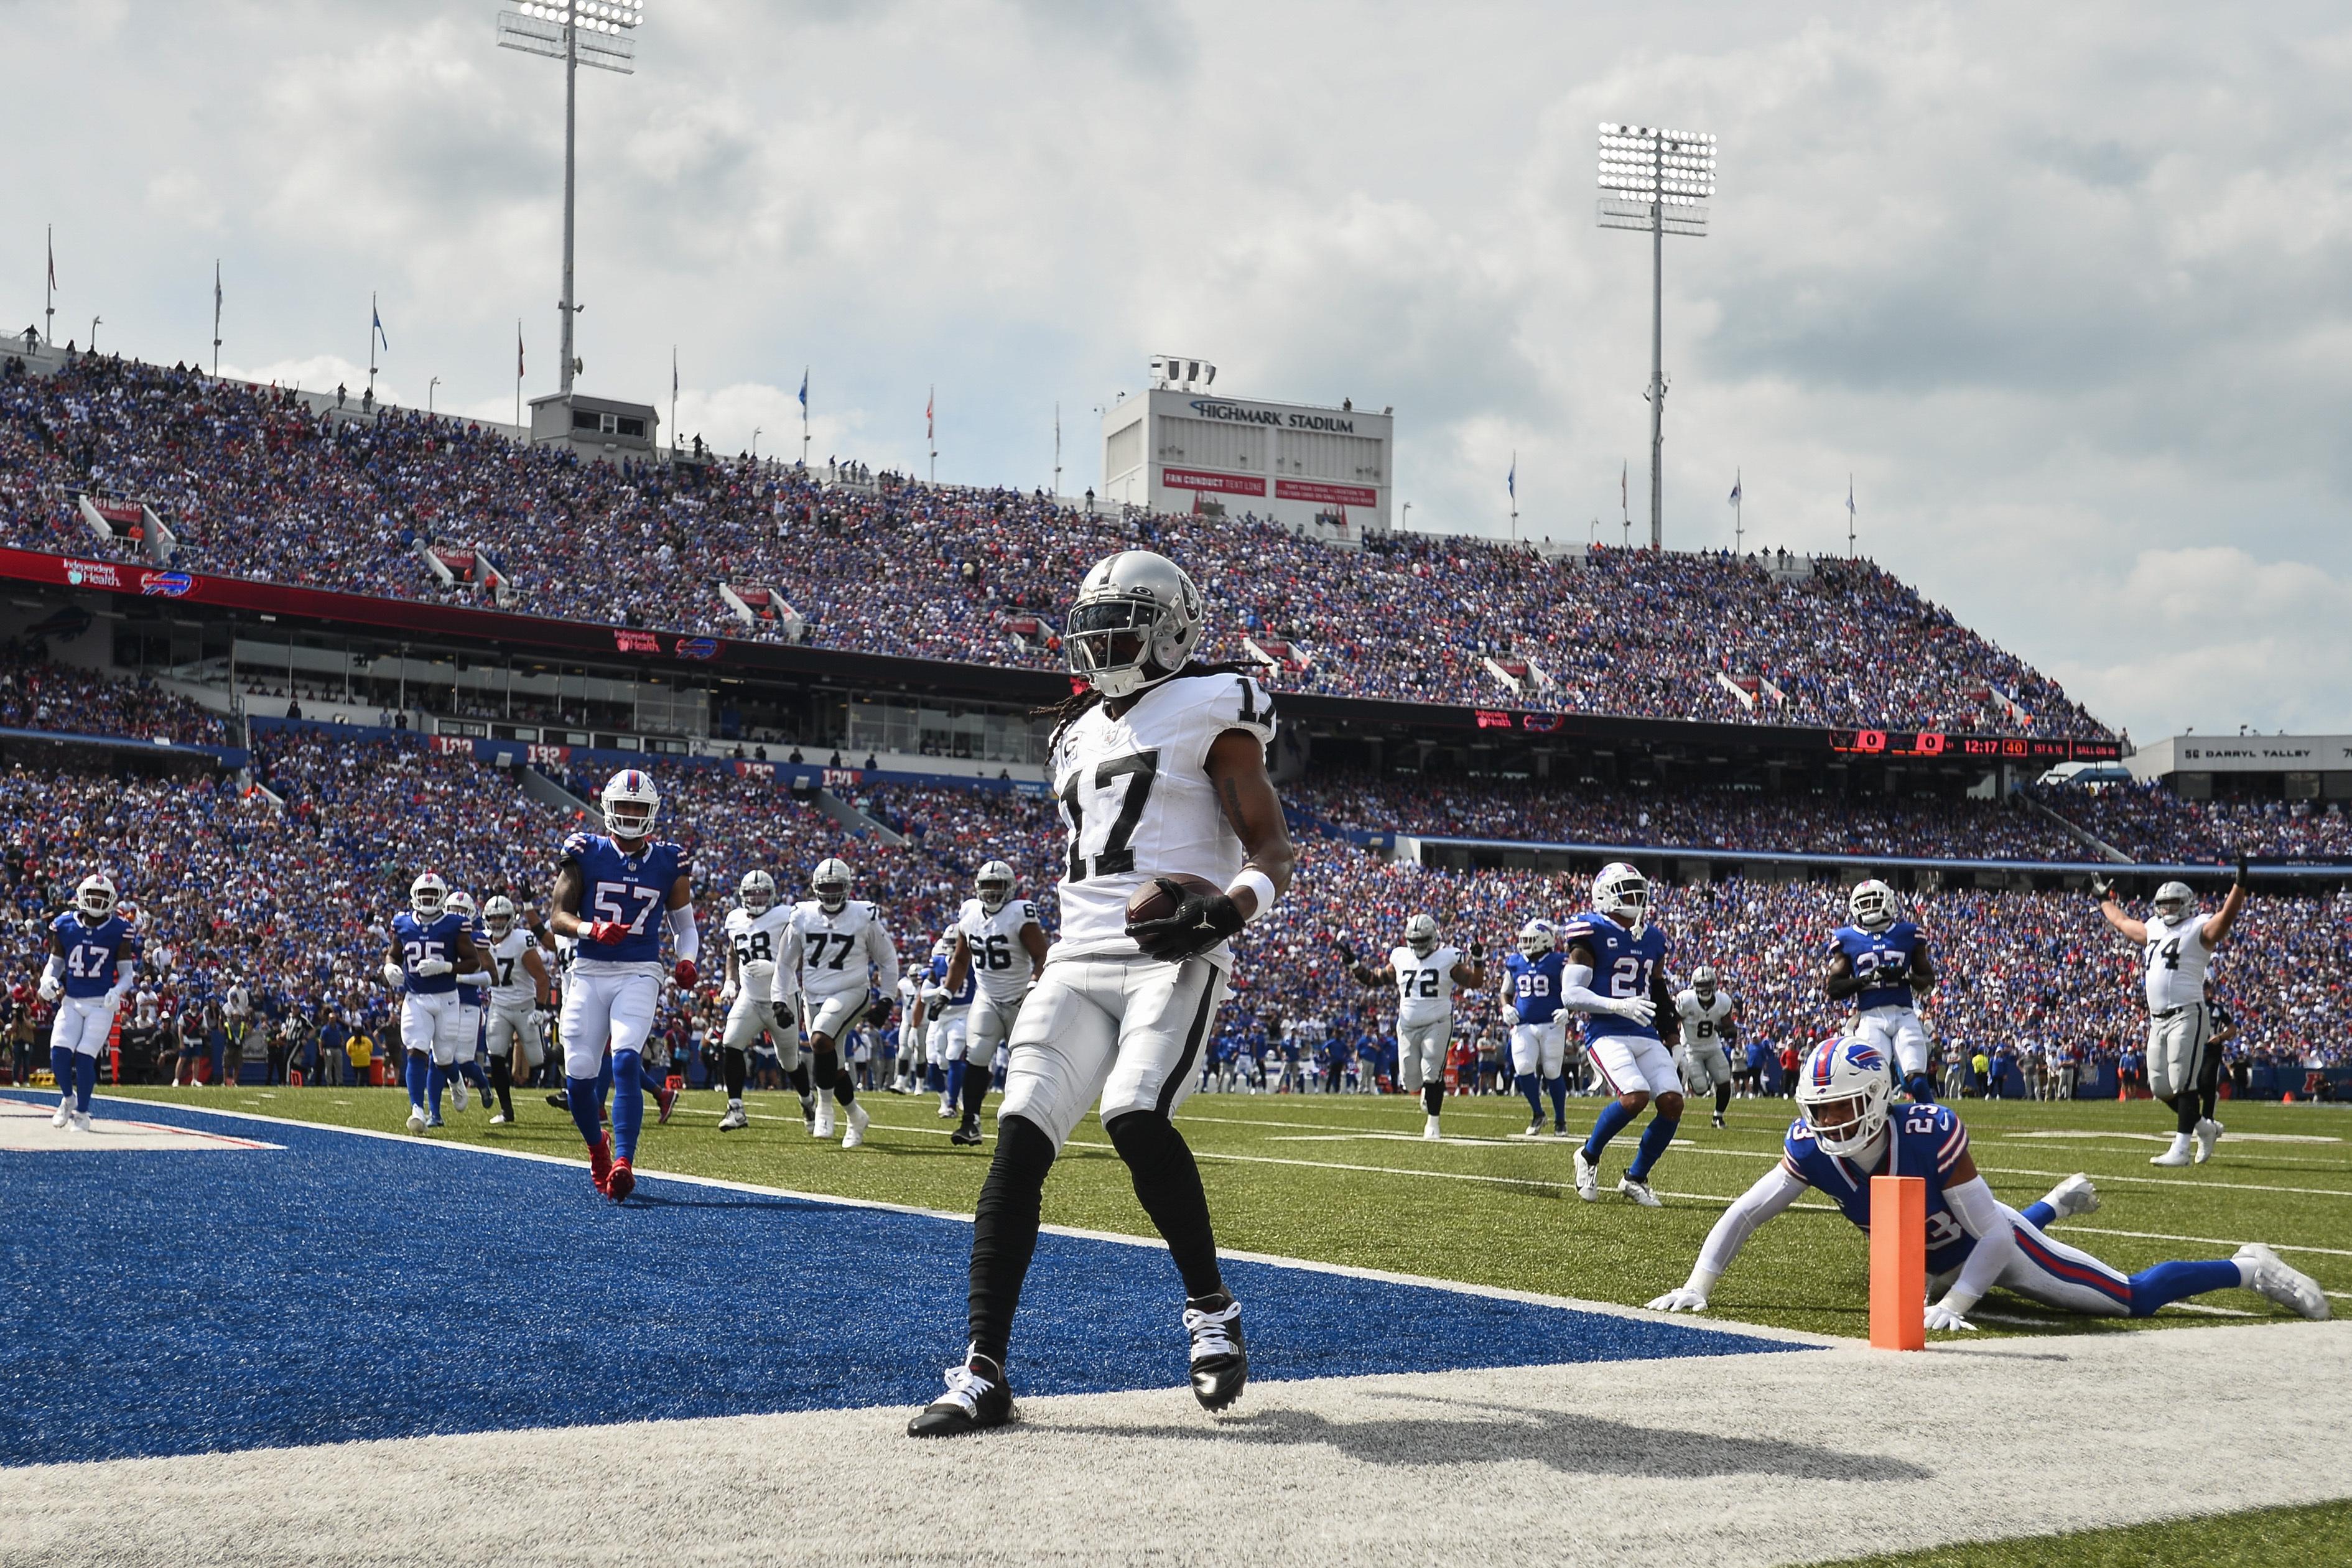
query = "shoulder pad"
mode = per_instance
[{"x": 577, "y": 845}]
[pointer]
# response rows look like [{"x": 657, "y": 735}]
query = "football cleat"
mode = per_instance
[
  {"x": 1588, "y": 1178},
  {"x": 1429, "y": 1131},
  {"x": 1535, "y": 1129},
  {"x": 1560, "y": 1131},
  {"x": 2177, "y": 1154},
  {"x": 2074, "y": 1195},
  {"x": 1639, "y": 1191},
  {"x": 947, "y": 1107},
  {"x": 855, "y": 1133},
  {"x": 65, "y": 1113},
  {"x": 560, "y": 1100},
  {"x": 1219, "y": 1359},
  {"x": 622, "y": 1181},
  {"x": 978, "y": 1397},
  {"x": 2288, "y": 1286},
  {"x": 416, "y": 1120},
  {"x": 500, "y": 1119},
  {"x": 666, "y": 1098},
  {"x": 437, "y": 1121},
  {"x": 968, "y": 1133},
  {"x": 1719, "y": 1121},
  {"x": 823, "y": 1126},
  {"x": 600, "y": 1161},
  {"x": 2208, "y": 1134},
  {"x": 457, "y": 1092},
  {"x": 735, "y": 1121},
  {"x": 81, "y": 1121},
  {"x": 808, "y": 1114}
]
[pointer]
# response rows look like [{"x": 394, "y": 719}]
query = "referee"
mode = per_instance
[{"x": 2178, "y": 943}]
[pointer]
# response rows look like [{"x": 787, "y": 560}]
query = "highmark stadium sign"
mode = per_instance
[{"x": 1283, "y": 418}]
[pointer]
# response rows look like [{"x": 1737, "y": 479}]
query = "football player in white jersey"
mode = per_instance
[
  {"x": 1710, "y": 1031},
  {"x": 2176, "y": 945},
  {"x": 473, "y": 990},
  {"x": 911, "y": 1033},
  {"x": 755, "y": 939},
  {"x": 521, "y": 989},
  {"x": 837, "y": 950},
  {"x": 1000, "y": 945},
  {"x": 1160, "y": 769},
  {"x": 1426, "y": 973}
]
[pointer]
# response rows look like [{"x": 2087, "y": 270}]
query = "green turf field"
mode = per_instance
[
  {"x": 2318, "y": 1534},
  {"x": 1347, "y": 1179}
]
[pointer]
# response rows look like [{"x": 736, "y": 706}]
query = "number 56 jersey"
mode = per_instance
[{"x": 1137, "y": 801}]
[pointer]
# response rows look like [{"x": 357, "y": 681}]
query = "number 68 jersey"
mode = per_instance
[{"x": 1137, "y": 801}]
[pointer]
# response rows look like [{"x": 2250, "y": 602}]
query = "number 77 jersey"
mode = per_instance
[{"x": 1137, "y": 801}]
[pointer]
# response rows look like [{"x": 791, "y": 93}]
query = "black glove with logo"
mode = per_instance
[
  {"x": 2245, "y": 875},
  {"x": 2103, "y": 888},
  {"x": 878, "y": 1013},
  {"x": 1347, "y": 953},
  {"x": 1198, "y": 923},
  {"x": 1477, "y": 951}
]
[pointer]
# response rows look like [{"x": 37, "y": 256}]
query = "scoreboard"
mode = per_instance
[{"x": 1924, "y": 743}]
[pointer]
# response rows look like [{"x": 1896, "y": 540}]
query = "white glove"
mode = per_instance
[
  {"x": 393, "y": 973},
  {"x": 1635, "y": 1009},
  {"x": 727, "y": 992},
  {"x": 50, "y": 990},
  {"x": 433, "y": 969},
  {"x": 1941, "y": 1319},
  {"x": 1682, "y": 1299}
]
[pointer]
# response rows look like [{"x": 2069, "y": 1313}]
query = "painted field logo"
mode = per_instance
[
  {"x": 698, "y": 647},
  {"x": 167, "y": 584}
]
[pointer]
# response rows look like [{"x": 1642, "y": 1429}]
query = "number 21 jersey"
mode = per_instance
[{"x": 1137, "y": 801}]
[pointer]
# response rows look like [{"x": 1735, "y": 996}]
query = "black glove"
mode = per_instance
[
  {"x": 879, "y": 1013},
  {"x": 1477, "y": 951},
  {"x": 2103, "y": 888},
  {"x": 1198, "y": 922},
  {"x": 1347, "y": 953},
  {"x": 2245, "y": 876}
]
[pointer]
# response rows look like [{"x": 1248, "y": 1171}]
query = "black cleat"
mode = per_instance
[
  {"x": 977, "y": 1398},
  {"x": 808, "y": 1114},
  {"x": 1219, "y": 1359},
  {"x": 968, "y": 1133},
  {"x": 560, "y": 1100}
]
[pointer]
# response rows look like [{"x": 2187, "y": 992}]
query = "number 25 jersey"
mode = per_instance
[{"x": 1137, "y": 801}]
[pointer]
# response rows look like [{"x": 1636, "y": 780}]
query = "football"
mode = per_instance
[{"x": 1153, "y": 902}]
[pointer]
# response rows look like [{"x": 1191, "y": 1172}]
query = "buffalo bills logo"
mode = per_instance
[
  {"x": 1866, "y": 1057},
  {"x": 167, "y": 584},
  {"x": 698, "y": 647}
]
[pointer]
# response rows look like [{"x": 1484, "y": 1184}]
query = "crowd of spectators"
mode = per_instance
[
  {"x": 38, "y": 692},
  {"x": 255, "y": 483},
  {"x": 2150, "y": 823}
]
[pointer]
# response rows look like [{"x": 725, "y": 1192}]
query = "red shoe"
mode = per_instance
[
  {"x": 622, "y": 1181},
  {"x": 600, "y": 1163},
  {"x": 666, "y": 1098}
]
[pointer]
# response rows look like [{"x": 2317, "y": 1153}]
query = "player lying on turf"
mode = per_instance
[{"x": 1845, "y": 1136}]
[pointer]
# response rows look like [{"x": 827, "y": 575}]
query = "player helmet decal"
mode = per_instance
[
  {"x": 499, "y": 916},
  {"x": 994, "y": 885},
  {"x": 1421, "y": 935},
  {"x": 1134, "y": 608},
  {"x": 428, "y": 895},
  {"x": 1843, "y": 1092},
  {"x": 630, "y": 803},
  {"x": 756, "y": 892},
  {"x": 460, "y": 903},
  {"x": 1872, "y": 905},
  {"x": 1538, "y": 938},
  {"x": 1703, "y": 982},
  {"x": 2175, "y": 903},
  {"x": 830, "y": 882},
  {"x": 94, "y": 899},
  {"x": 1621, "y": 890}
]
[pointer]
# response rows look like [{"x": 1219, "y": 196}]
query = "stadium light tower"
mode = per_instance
[
  {"x": 598, "y": 33},
  {"x": 1656, "y": 180}
]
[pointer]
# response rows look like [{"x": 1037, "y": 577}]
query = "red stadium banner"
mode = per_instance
[
  {"x": 1324, "y": 495},
  {"x": 1224, "y": 483}
]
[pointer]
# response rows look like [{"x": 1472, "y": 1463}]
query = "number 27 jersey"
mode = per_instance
[{"x": 1137, "y": 801}]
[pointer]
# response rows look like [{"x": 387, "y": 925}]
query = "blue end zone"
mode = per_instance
[{"x": 352, "y": 1288}]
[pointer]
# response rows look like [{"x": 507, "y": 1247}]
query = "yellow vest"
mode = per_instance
[{"x": 359, "y": 1048}]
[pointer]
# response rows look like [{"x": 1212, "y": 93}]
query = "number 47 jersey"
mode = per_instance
[{"x": 1138, "y": 803}]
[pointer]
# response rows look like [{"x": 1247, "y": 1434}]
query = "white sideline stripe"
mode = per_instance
[
  {"x": 2216, "y": 1185},
  {"x": 2064, "y": 1132},
  {"x": 1309, "y": 1265},
  {"x": 2207, "y": 1241}
]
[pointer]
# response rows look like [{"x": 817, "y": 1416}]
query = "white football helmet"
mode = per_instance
[
  {"x": 630, "y": 803},
  {"x": 830, "y": 882},
  {"x": 1538, "y": 938},
  {"x": 499, "y": 916},
  {"x": 1703, "y": 982},
  {"x": 1421, "y": 935},
  {"x": 2175, "y": 902},
  {"x": 1134, "y": 610},
  {"x": 428, "y": 895},
  {"x": 1872, "y": 905},
  {"x": 1843, "y": 1092},
  {"x": 94, "y": 899},
  {"x": 1622, "y": 892},
  {"x": 461, "y": 902},
  {"x": 994, "y": 885},
  {"x": 756, "y": 892}
]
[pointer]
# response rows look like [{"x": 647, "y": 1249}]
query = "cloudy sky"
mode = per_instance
[{"x": 2067, "y": 290}]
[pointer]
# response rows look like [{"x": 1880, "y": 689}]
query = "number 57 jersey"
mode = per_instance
[{"x": 1137, "y": 801}]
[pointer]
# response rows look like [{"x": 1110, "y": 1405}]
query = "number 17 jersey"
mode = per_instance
[{"x": 1137, "y": 801}]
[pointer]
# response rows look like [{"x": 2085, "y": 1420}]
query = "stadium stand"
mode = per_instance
[
  {"x": 37, "y": 694},
  {"x": 2149, "y": 823}
]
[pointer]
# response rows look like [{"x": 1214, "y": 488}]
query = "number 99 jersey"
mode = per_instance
[
  {"x": 1137, "y": 801},
  {"x": 631, "y": 889}
]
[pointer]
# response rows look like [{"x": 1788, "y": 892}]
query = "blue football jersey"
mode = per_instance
[
  {"x": 92, "y": 952},
  {"x": 961, "y": 997},
  {"x": 476, "y": 995},
  {"x": 422, "y": 940},
  {"x": 633, "y": 889},
  {"x": 1622, "y": 965},
  {"x": 1535, "y": 985},
  {"x": 1886, "y": 953},
  {"x": 1924, "y": 1141}
]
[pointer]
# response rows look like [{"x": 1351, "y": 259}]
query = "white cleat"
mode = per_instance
[
  {"x": 457, "y": 1092},
  {"x": 1429, "y": 1132},
  {"x": 1639, "y": 1191},
  {"x": 2175, "y": 1155},
  {"x": 824, "y": 1128},
  {"x": 1719, "y": 1121},
  {"x": 2208, "y": 1134},
  {"x": 81, "y": 1121},
  {"x": 1535, "y": 1129},
  {"x": 2286, "y": 1285},
  {"x": 1588, "y": 1178},
  {"x": 416, "y": 1120},
  {"x": 500, "y": 1119},
  {"x": 855, "y": 1133},
  {"x": 947, "y": 1110},
  {"x": 64, "y": 1115},
  {"x": 735, "y": 1121},
  {"x": 2074, "y": 1195}
]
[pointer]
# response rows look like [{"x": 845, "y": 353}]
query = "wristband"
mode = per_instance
[{"x": 1258, "y": 883}]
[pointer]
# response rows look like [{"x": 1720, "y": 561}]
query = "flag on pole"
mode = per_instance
[
  {"x": 1734, "y": 499},
  {"x": 804, "y": 391},
  {"x": 673, "y": 370},
  {"x": 517, "y": 351},
  {"x": 53, "y": 262},
  {"x": 1624, "y": 497},
  {"x": 930, "y": 425},
  {"x": 376, "y": 319},
  {"x": 1511, "y": 480},
  {"x": 1849, "y": 494},
  {"x": 216, "y": 293}
]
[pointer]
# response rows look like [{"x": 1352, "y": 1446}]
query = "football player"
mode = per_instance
[
  {"x": 2176, "y": 945},
  {"x": 1539, "y": 1034},
  {"x": 520, "y": 988},
  {"x": 1848, "y": 1130},
  {"x": 615, "y": 891},
  {"x": 839, "y": 950},
  {"x": 1710, "y": 1031},
  {"x": 430, "y": 944},
  {"x": 1615, "y": 948},
  {"x": 1880, "y": 959},
  {"x": 473, "y": 985},
  {"x": 93, "y": 963},
  {"x": 1160, "y": 769},
  {"x": 947, "y": 1016},
  {"x": 1425, "y": 973},
  {"x": 992, "y": 925},
  {"x": 909, "y": 1060},
  {"x": 755, "y": 939}
]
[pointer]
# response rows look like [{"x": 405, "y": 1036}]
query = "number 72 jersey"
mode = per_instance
[{"x": 1137, "y": 801}]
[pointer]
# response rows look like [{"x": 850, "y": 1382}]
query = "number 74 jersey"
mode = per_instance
[{"x": 1137, "y": 801}]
